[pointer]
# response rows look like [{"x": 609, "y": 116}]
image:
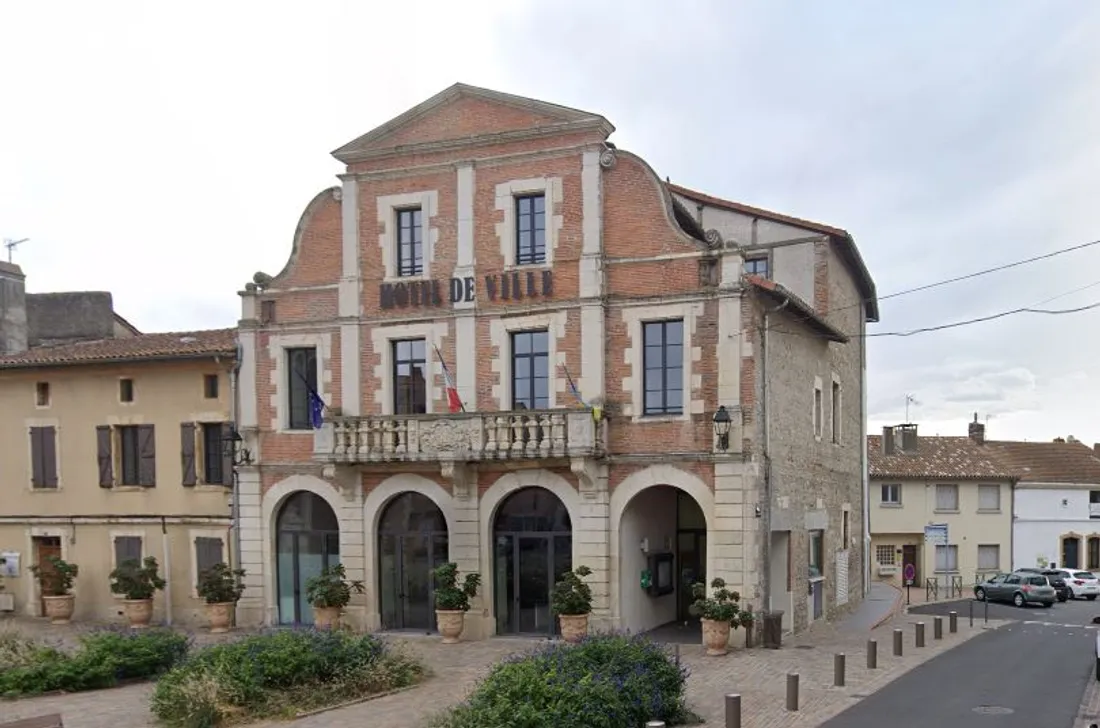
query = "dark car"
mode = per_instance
[{"x": 1055, "y": 577}]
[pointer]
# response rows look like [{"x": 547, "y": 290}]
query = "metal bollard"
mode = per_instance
[
  {"x": 898, "y": 636},
  {"x": 937, "y": 628},
  {"x": 872, "y": 654},
  {"x": 792, "y": 691},
  {"x": 838, "y": 669},
  {"x": 986, "y": 603},
  {"x": 733, "y": 711},
  {"x": 953, "y": 622},
  {"x": 920, "y": 633},
  {"x": 971, "y": 612}
]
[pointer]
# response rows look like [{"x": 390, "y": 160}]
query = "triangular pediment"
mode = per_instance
[{"x": 467, "y": 113}]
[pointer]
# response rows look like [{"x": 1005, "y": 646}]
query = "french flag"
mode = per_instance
[{"x": 454, "y": 402}]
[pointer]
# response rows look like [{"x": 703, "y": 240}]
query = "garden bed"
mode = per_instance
[{"x": 279, "y": 674}]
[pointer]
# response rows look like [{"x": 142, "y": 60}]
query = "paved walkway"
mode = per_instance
[{"x": 878, "y": 606}]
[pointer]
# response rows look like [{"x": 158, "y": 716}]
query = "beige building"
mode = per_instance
[
  {"x": 940, "y": 504},
  {"x": 113, "y": 449}
]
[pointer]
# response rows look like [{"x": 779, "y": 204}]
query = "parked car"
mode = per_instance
[
  {"x": 1057, "y": 577},
  {"x": 1083, "y": 584},
  {"x": 1020, "y": 587}
]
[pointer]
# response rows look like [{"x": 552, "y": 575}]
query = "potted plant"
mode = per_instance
[
  {"x": 221, "y": 588},
  {"x": 137, "y": 582},
  {"x": 747, "y": 618},
  {"x": 572, "y": 602},
  {"x": 329, "y": 592},
  {"x": 719, "y": 613},
  {"x": 55, "y": 582},
  {"x": 452, "y": 601}
]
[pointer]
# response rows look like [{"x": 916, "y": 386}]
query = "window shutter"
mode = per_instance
[
  {"x": 187, "y": 453},
  {"x": 147, "y": 456},
  {"x": 127, "y": 548},
  {"x": 227, "y": 453},
  {"x": 38, "y": 478},
  {"x": 208, "y": 551},
  {"x": 48, "y": 437},
  {"x": 103, "y": 455}
]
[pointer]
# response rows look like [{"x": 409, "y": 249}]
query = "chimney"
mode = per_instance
[
  {"x": 1060, "y": 440},
  {"x": 1096, "y": 448},
  {"x": 887, "y": 440},
  {"x": 908, "y": 437},
  {"x": 13, "y": 310},
  {"x": 977, "y": 431}
]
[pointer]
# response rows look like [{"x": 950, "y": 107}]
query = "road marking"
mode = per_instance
[{"x": 1058, "y": 624}]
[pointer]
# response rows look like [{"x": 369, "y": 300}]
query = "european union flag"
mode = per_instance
[{"x": 316, "y": 410}]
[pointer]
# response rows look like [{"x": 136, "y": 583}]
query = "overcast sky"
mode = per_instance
[{"x": 164, "y": 152}]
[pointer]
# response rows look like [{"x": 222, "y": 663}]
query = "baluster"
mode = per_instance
[
  {"x": 375, "y": 438},
  {"x": 489, "y": 432},
  {"x": 517, "y": 434},
  {"x": 504, "y": 434},
  {"x": 387, "y": 436},
  {"x": 402, "y": 427},
  {"x": 362, "y": 439},
  {"x": 545, "y": 430},
  {"x": 412, "y": 436},
  {"x": 557, "y": 433},
  {"x": 531, "y": 434}
]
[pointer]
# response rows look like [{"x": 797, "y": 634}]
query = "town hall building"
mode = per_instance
[{"x": 534, "y": 354}]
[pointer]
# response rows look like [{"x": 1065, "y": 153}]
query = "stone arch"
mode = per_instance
[
  {"x": 374, "y": 505},
  {"x": 505, "y": 486},
  {"x": 625, "y": 492}
]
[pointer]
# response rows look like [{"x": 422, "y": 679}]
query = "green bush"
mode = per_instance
[
  {"x": 102, "y": 660},
  {"x": 278, "y": 673},
  {"x": 606, "y": 681}
]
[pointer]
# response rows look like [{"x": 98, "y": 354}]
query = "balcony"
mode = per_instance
[{"x": 459, "y": 437}]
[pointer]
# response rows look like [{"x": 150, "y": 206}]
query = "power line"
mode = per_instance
[{"x": 983, "y": 319}]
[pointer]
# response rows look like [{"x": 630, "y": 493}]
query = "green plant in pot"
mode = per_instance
[
  {"x": 221, "y": 588},
  {"x": 329, "y": 592},
  {"x": 137, "y": 582},
  {"x": 452, "y": 601},
  {"x": 55, "y": 581},
  {"x": 719, "y": 613},
  {"x": 572, "y": 602}
]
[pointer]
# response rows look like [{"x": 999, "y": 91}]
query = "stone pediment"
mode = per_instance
[{"x": 467, "y": 113}]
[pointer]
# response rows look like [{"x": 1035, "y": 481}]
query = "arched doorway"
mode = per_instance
[
  {"x": 533, "y": 547},
  {"x": 412, "y": 540},
  {"x": 307, "y": 540}
]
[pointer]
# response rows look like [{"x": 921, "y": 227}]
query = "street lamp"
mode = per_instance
[
  {"x": 722, "y": 424},
  {"x": 235, "y": 449}
]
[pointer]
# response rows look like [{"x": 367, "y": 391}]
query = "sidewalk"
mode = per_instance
[{"x": 883, "y": 602}]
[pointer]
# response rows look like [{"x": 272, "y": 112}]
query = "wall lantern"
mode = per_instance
[
  {"x": 722, "y": 424},
  {"x": 235, "y": 449}
]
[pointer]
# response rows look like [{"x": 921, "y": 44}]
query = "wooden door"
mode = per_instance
[
  {"x": 909, "y": 556},
  {"x": 45, "y": 547}
]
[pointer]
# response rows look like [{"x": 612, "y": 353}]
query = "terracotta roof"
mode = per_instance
[
  {"x": 1049, "y": 462},
  {"x": 175, "y": 345},
  {"x": 796, "y": 306},
  {"x": 938, "y": 458},
  {"x": 847, "y": 245}
]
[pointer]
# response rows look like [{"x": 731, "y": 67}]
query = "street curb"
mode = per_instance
[{"x": 892, "y": 613}]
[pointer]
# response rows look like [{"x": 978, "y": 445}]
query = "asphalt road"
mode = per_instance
[
  {"x": 1077, "y": 611},
  {"x": 1020, "y": 675}
]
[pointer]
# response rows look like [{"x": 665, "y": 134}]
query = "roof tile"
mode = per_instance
[
  {"x": 1049, "y": 462},
  {"x": 939, "y": 458},
  {"x": 181, "y": 344}
]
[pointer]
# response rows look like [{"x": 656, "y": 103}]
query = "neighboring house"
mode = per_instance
[
  {"x": 113, "y": 449},
  {"x": 615, "y": 398},
  {"x": 1057, "y": 504},
  {"x": 923, "y": 487}
]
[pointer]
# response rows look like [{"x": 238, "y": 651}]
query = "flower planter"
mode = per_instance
[
  {"x": 138, "y": 611},
  {"x": 716, "y": 637},
  {"x": 59, "y": 609},
  {"x": 574, "y": 627},
  {"x": 450, "y": 624},
  {"x": 326, "y": 617},
  {"x": 220, "y": 616}
]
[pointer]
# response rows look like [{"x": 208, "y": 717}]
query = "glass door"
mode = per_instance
[
  {"x": 532, "y": 602},
  {"x": 692, "y": 557}
]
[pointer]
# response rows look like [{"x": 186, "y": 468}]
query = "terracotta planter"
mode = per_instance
[
  {"x": 574, "y": 627},
  {"x": 716, "y": 637},
  {"x": 60, "y": 608},
  {"x": 138, "y": 611},
  {"x": 450, "y": 624},
  {"x": 220, "y": 615},
  {"x": 326, "y": 617}
]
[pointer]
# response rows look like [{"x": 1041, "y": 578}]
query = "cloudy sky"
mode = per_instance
[{"x": 164, "y": 151}]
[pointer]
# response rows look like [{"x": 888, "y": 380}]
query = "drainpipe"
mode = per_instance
[
  {"x": 235, "y": 512},
  {"x": 863, "y": 461},
  {"x": 766, "y": 526},
  {"x": 167, "y": 571}
]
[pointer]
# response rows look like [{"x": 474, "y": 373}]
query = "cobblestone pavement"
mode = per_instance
[{"x": 757, "y": 674}]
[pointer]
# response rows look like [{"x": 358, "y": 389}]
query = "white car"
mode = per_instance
[{"x": 1083, "y": 584}]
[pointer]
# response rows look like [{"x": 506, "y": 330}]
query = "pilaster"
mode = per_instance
[
  {"x": 251, "y": 610},
  {"x": 591, "y": 541}
]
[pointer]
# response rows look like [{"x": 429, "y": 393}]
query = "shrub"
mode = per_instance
[
  {"x": 331, "y": 587},
  {"x": 606, "y": 681},
  {"x": 219, "y": 584},
  {"x": 571, "y": 595},
  {"x": 136, "y": 580},
  {"x": 449, "y": 596},
  {"x": 57, "y": 580},
  {"x": 723, "y": 606},
  {"x": 277, "y": 674}
]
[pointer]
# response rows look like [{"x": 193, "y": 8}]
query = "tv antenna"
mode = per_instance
[
  {"x": 11, "y": 245},
  {"x": 910, "y": 400}
]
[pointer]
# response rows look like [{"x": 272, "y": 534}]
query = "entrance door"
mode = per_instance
[
  {"x": 692, "y": 555},
  {"x": 909, "y": 556},
  {"x": 45, "y": 547},
  {"x": 1071, "y": 553},
  {"x": 308, "y": 540},
  {"x": 412, "y": 542}
]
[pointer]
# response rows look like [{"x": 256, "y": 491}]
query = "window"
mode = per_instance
[
  {"x": 208, "y": 552},
  {"x": 663, "y": 355},
  {"x": 531, "y": 370},
  {"x": 947, "y": 497},
  {"x": 1093, "y": 555},
  {"x": 1094, "y": 504},
  {"x": 756, "y": 267},
  {"x": 1013, "y": 579},
  {"x": 531, "y": 229},
  {"x": 817, "y": 554},
  {"x": 126, "y": 390},
  {"x": 886, "y": 555},
  {"x": 891, "y": 494},
  {"x": 210, "y": 386},
  {"x": 410, "y": 380},
  {"x": 989, "y": 557},
  {"x": 136, "y": 448},
  {"x": 43, "y": 457},
  {"x": 127, "y": 548},
  {"x": 213, "y": 453},
  {"x": 845, "y": 535},
  {"x": 989, "y": 498},
  {"x": 301, "y": 380},
  {"x": 410, "y": 243},
  {"x": 835, "y": 420},
  {"x": 818, "y": 413},
  {"x": 947, "y": 558},
  {"x": 42, "y": 394}
]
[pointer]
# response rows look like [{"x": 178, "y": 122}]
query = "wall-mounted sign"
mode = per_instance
[
  {"x": 936, "y": 534},
  {"x": 514, "y": 286}
]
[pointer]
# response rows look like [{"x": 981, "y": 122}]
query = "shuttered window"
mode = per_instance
[
  {"x": 43, "y": 457},
  {"x": 187, "y": 454},
  {"x": 127, "y": 548},
  {"x": 947, "y": 497},
  {"x": 138, "y": 455},
  {"x": 208, "y": 551},
  {"x": 104, "y": 456}
]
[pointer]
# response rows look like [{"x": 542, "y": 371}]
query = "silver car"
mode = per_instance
[{"x": 1020, "y": 588}]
